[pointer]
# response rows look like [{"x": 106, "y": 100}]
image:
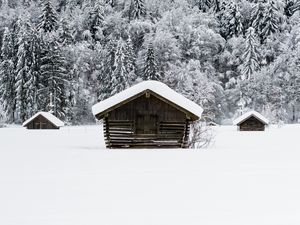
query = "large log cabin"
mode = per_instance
[
  {"x": 43, "y": 120},
  {"x": 251, "y": 121},
  {"x": 147, "y": 115}
]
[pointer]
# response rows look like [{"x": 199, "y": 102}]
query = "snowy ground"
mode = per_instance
[{"x": 66, "y": 177}]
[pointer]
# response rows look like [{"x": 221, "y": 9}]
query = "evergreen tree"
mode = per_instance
[
  {"x": 15, "y": 33},
  {"x": 48, "y": 19},
  {"x": 237, "y": 27},
  {"x": 96, "y": 19},
  {"x": 7, "y": 94},
  {"x": 22, "y": 72},
  {"x": 270, "y": 20},
  {"x": 250, "y": 59},
  {"x": 34, "y": 82},
  {"x": 108, "y": 67},
  {"x": 230, "y": 20},
  {"x": 150, "y": 71},
  {"x": 53, "y": 71},
  {"x": 138, "y": 9},
  {"x": 208, "y": 5},
  {"x": 257, "y": 18},
  {"x": 6, "y": 49},
  {"x": 204, "y": 5},
  {"x": 120, "y": 79},
  {"x": 65, "y": 33},
  {"x": 30, "y": 88},
  {"x": 130, "y": 60}
]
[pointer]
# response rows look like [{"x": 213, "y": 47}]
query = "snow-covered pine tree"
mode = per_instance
[
  {"x": 96, "y": 19},
  {"x": 7, "y": 93},
  {"x": 222, "y": 17},
  {"x": 271, "y": 20},
  {"x": 138, "y": 9},
  {"x": 237, "y": 29},
  {"x": 257, "y": 18},
  {"x": 150, "y": 71},
  {"x": 30, "y": 91},
  {"x": 81, "y": 94},
  {"x": 230, "y": 20},
  {"x": 7, "y": 47},
  {"x": 130, "y": 61},
  {"x": 250, "y": 59},
  {"x": 53, "y": 71},
  {"x": 292, "y": 84},
  {"x": 48, "y": 19},
  {"x": 120, "y": 79},
  {"x": 204, "y": 5},
  {"x": 65, "y": 33},
  {"x": 15, "y": 33},
  {"x": 34, "y": 82},
  {"x": 208, "y": 5},
  {"x": 22, "y": 72},
  {"x": 285, "y": 74},
  {"x": 108, "y": 67}
]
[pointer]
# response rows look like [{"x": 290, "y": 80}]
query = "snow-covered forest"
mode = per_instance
[{"x": 224, "y": 55}]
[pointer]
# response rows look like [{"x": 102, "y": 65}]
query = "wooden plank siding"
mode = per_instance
[
  {"x": 252, "y": 124},
  {"x": 41, "y": 122},
  {"x": 146, "y": 122}
]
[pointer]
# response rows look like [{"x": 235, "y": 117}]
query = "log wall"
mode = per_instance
[
  {"x": 252, "y": 124},
  {"x": 146, "y": 122},
  {"x": 41, "y": 122}
]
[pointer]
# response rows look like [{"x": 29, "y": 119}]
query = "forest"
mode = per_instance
[{"x": 227, "y": 56}]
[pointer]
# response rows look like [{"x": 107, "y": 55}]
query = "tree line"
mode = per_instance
[{"x": 227, "y": 56}]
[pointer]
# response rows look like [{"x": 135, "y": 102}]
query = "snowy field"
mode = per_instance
[{"x": 66, "y": 177}]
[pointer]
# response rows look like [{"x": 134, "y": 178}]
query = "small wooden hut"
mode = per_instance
[
  {"x": 251, "y": 121},
  {"x": 147, "y": 115},
  {"x": 43, "y": 120}
]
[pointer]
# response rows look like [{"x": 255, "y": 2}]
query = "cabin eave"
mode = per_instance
[{"x": 147, "y": 93}]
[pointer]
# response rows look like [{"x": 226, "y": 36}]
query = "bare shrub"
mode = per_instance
[{"x": 201, "y": 135}]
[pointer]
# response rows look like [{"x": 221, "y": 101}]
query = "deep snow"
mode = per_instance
[{"x": 66, "y": 177}]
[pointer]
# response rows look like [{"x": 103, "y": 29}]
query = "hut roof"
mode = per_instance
[
  {"x": 249, "y": 114},
  {"x": 53, "y": 119},
  {"x": 156, "y": 87}
]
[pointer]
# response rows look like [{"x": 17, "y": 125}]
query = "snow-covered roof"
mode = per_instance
[
  {"x": 247, "y": 115},
  {"x": 53, "y": 119},
  {"x": 155, "y": 86}
]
